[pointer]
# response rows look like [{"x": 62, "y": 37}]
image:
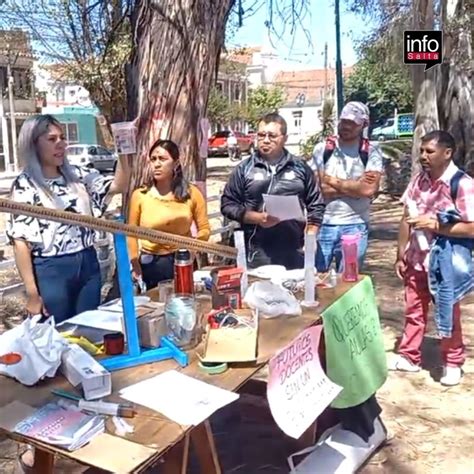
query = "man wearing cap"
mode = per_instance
[{"x": 349, "y": 170}]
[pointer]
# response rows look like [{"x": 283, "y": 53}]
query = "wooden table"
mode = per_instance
[{"x": 155, "y": 436}]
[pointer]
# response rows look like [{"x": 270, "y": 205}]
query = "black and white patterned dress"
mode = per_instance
[{"x": 48, "y": 238}]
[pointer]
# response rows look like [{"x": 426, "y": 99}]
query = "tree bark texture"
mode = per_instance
[
  {"x": 424, "y": 84},
  {"x": 443, "y": 94},
  {"x": 176, "y": 47},
  {"x": 454, "y": 81}
]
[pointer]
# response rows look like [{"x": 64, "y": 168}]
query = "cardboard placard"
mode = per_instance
[{"x": 232, "y": 344}]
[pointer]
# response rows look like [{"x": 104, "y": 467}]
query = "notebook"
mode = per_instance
[{"x": 61, "y": 424}]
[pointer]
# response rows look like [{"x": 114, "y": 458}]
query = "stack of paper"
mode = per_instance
[
  {"x": 62, "y": 426},
  {"x": 183, "y": 399}
]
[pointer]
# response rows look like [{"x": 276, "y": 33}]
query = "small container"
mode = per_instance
[
  {"x": 332, "y": 278},
  {"x": 350, "y": 244},
  {"x": 181, "y": 320},
  {"x": 183, "y": 272},
  {"x": 114, "y": 343},
  {"x": 165, "y": 288}
]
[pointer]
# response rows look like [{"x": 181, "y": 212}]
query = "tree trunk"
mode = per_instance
[
  {"x": 176, "y": 47},
  {"x": 454, "y": 84},
  {"x": 444, "y": 93},
  {"x": 424, "y": 84}
]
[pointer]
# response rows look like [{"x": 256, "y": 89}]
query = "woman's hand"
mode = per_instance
[
  {"x": 35, "y": 305},
  {"x": 136, "y": 270}
]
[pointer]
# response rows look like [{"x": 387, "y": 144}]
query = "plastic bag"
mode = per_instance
[
  {"x": 40, "y": 347},
  {"x": 272, "y": 300}
]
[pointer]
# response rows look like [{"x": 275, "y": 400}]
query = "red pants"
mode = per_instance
[{"x": 417, "y": 300}]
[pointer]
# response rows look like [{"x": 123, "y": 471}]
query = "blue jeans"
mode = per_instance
[
  {"x": 156, "y": 268},
  {"x": 68, "y": 284},
  {"x": 329, "y": 244}
]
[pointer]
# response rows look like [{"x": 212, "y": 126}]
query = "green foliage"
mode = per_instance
[
  {"x": 84, "y": 42},
  {"x": 326, "y": 116},
  {"x": 380, "y": 79},
  {"x": 221, "y": 111},
  {"x": 261, "y": 101}
]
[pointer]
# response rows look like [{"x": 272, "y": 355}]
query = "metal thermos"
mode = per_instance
[{"x": 183, "y": 272}]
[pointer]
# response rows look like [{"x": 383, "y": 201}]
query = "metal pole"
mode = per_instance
[
  {"x": 4, "y": 125},
  {"x": 339, "y": 85},
  {"x": 12, "y": 116},
  {"x": 325, "y": 70}
]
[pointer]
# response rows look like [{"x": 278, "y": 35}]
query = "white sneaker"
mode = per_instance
[
  {"x": 403, "y": 365},
  {"x": 451, "y": 376}
]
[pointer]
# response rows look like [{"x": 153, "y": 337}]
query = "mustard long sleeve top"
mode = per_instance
[{"x": 149, "y": 209}]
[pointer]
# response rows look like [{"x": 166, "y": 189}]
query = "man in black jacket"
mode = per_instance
[{"x": 272, "y": 170}]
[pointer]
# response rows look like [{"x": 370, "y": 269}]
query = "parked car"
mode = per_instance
[
  {"x": 218, "y": 146},
  {"x": 91, "y": 155},
  {"x": 399, "y": 126}
]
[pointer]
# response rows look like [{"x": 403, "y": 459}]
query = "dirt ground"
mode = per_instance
[{"x": 430, "y": 425}]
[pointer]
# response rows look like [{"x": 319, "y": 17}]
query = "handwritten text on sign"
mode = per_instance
[
  {"x": 355, "y": 353},
  {"x": 298, "y": 389}
]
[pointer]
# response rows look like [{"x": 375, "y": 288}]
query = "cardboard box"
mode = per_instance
[
  {"x": 79, "y": 367},
  {"x": 226, "y": 287},
  {"x": 233, "y": 344},
  {"x": 151, "y": 328}
]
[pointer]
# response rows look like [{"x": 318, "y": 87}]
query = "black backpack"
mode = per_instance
[
  {"x": 331, "y": 143},
  {"x": 454, "y": 184}
]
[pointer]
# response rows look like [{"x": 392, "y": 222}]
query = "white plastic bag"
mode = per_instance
[
  {"x": 40, "y": 347},
  {"x": 272, "y": 300}
]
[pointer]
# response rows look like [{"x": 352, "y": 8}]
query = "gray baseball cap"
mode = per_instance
[{"x": 357, "y": 112}]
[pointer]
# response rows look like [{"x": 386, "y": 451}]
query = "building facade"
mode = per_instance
[{"x": 17, "y": 93}]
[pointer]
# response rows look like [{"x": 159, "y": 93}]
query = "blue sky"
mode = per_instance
[{"x": 320, "y": 24}]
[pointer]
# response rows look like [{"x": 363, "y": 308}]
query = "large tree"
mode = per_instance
[{"x": 176, "y": 47}]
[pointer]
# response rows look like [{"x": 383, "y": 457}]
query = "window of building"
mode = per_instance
[
  {"x": 71, "y": 132},
  {"x": 236, "y": 92},
  {"x": 297, "y": 118},
  {"x": 219, "y": 86},
  {"x": 60, "y": 93}
]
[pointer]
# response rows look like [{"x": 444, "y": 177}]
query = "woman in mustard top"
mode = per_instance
[{"x": 167, "y": 203}]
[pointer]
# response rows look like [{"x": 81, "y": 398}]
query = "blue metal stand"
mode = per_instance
[{"x": 136, "y": 356}]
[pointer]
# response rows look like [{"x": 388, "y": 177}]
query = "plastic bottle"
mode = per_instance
[
  {"x": 350, "y": 245},
  {"x": 420, "y": 235}
]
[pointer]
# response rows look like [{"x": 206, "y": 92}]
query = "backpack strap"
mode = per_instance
[
  {"x": 364, "y": 150},
  {"x": 331, "y": 143},
  {"x": 454, "y": 184}
]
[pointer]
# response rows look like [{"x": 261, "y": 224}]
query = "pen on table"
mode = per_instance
[{"x": 99, "y": 407}]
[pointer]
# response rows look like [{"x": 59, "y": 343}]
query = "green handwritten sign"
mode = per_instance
[{"x": 355, "y": 354}]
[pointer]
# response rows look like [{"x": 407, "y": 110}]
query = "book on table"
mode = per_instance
[{"x": 62, "y": 425}]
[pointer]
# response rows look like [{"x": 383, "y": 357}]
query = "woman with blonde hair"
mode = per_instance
[
  {"x": 168, "y": 203},
  {"x": 57, "y": 262}
]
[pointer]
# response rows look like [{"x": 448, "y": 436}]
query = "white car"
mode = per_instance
[{"x": 91, "y": 155}]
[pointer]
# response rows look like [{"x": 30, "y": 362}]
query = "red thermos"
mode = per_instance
[{"x": 183, "y": 272}]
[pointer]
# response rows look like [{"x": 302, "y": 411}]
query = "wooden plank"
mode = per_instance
[
  {"x": 206, "y": 452},
  {"x": 176, "y": 459},
  {"x": 44, "y": 462}
]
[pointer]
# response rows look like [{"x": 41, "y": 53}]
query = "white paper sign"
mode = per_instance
[
  {"x": 283, "y": 207},
  {"x": 125, "y": 137},
  {"x": 298, "y": 390}
]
